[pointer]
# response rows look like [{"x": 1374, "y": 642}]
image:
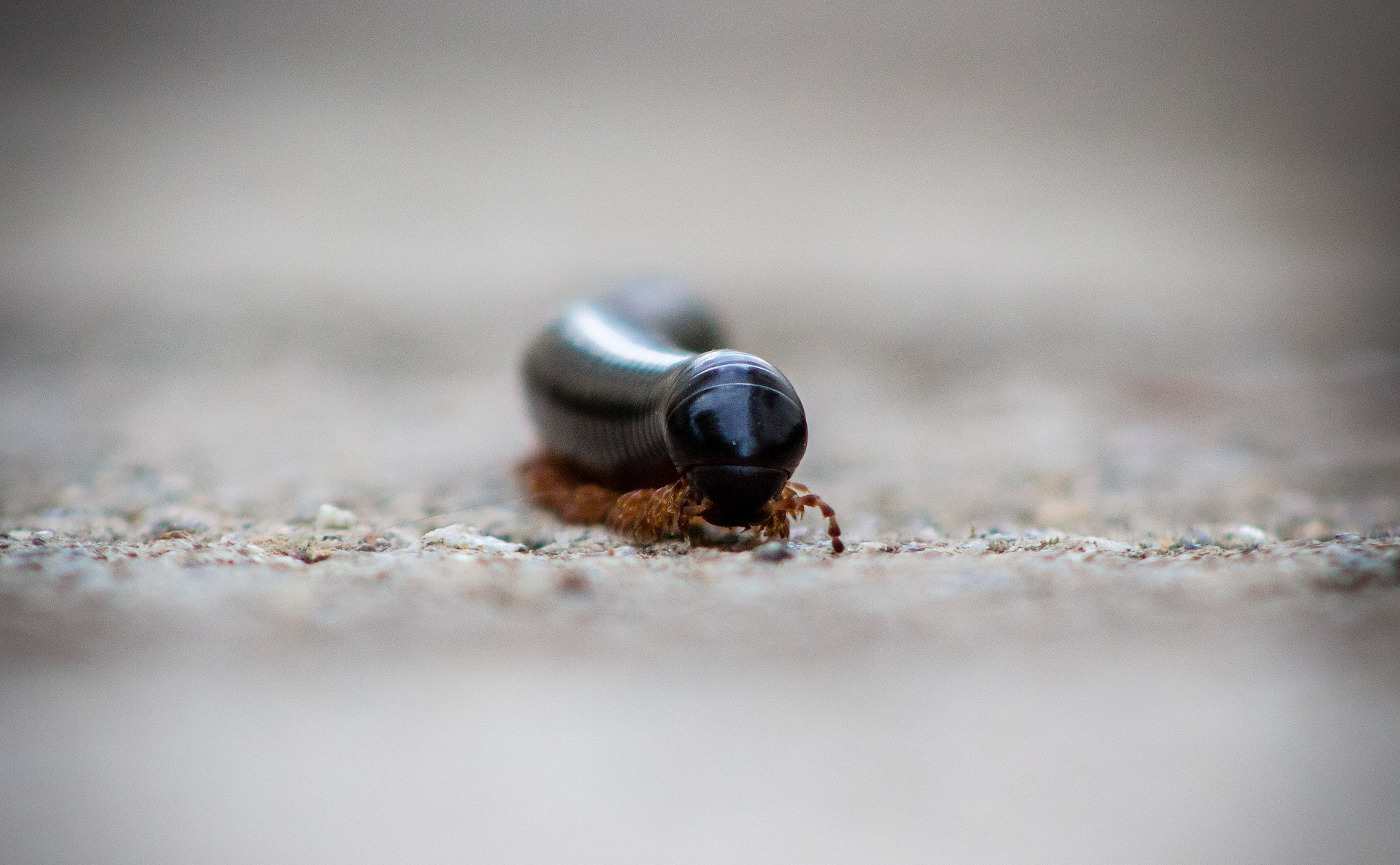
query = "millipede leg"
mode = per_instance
[
  {"x": 556, "y": 486},
  {"x": 833, "y": 529},
  {"x": 648, "y": 515},
  {"x": 792, "y": 502},
  {"x": 652, "y": 514}
]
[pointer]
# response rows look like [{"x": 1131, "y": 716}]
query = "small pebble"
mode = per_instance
[
  {"x": 331, "y": 517},
  {"x": 1244, "y": 538},
  {"x": 460, "y": 538},
  {"x": 772, "y": 551}
]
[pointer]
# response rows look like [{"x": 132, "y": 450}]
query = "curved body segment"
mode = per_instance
[{"x": 594, "y": 384}]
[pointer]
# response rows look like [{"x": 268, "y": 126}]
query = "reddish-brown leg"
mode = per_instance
[
  {"x": 555, "y": 485},
  {"x": 648, "y": 515},
  {"x": 651, "y": 514},
  {"x": 645, "y": 515},
  {"x": 790, "y": 504}
]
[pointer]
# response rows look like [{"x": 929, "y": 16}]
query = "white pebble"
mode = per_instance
[
  {"x": 331, "y": 517},
  {"x": 1244, "y": 537},
  {"x": 458, "y": 537}
]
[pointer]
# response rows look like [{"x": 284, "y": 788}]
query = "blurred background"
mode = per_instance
[
  {"x": 1019, "y": 239},
  {"x": 416, "y": 185}
]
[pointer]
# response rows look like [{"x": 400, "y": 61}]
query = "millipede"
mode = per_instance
[{"x": 650, "y": 427}]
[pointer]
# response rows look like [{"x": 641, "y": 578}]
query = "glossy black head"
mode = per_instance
[{"x": 736, "y": 430}]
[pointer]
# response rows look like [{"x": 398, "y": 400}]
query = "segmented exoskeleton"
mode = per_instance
[{"x": 648, "y": 425}]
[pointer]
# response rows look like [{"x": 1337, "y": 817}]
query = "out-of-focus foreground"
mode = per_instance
[{"x": 1093, "y": 310}]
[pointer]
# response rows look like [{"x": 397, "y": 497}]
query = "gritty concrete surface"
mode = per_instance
[{"x": 1084, "y": 618}]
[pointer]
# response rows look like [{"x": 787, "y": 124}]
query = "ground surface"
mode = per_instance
[{"x": 1085, "y": 617}]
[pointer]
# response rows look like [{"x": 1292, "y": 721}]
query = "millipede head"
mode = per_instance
[{"x": 735, "y": 430}]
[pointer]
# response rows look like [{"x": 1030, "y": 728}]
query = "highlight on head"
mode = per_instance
[{"x": 727, "y": 408}]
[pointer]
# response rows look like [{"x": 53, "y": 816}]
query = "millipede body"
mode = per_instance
[{"x": 648, "y": 425}]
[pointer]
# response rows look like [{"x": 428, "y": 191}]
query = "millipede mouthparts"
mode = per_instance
[{"x": 649, "y": 426}]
